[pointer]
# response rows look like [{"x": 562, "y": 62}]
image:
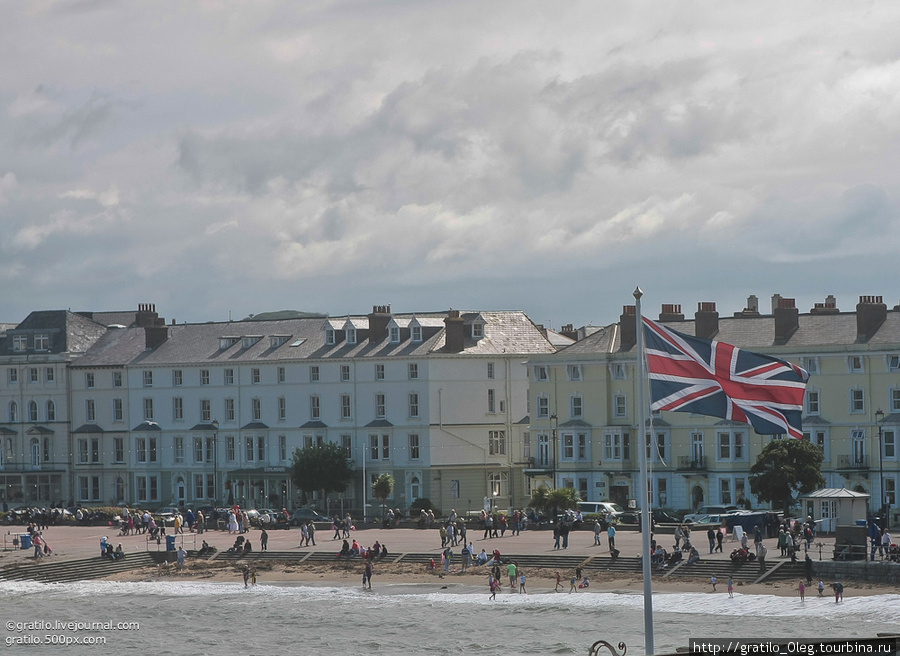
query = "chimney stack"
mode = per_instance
[
  {"x": 828, "y": 307},
  {"x": 871, "y": 312},
  {"x": 146, "y": 315},
  {"x": 752, "y": 309},
  {"x": 568, "y": 330},
  {"x": 378, "y": 323},
  {"x": 628, "y": 327},
  {"x": 671, "y": 312},
  {"x": 454, "y": 333},
  {"x": 706, "y": 320},
  {"x": 787, "y": 319}
]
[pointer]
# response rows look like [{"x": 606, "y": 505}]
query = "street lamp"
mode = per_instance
[
  {"x": 879, "y": 419},
  {"x": 215, "y": 425},
  {"x": 554, "y": 421}
]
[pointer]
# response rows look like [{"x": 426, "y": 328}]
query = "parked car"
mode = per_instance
[
  {"x": 706, "y": 511},
  {"x": 600, "y": 508},
  {"x": 304, "y": 515},
  {"x": 166, "y": 515}
]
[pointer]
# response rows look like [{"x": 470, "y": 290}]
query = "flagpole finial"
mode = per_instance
[{"x": 638, "y": 292}]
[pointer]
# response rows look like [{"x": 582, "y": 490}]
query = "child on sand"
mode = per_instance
[
  {"x": 522, "y": 589},
  {"x": 730, "y": 588},
  {"x": 712, "y": 580},
  {"x": 821, "y": 586},
  {"x": 802, "y": 588},
  {"x": 558, "y": 581},
  {"x": 494, "y": 585}
]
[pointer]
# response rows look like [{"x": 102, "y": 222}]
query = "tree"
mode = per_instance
[
  {"x": 550, "y": 502},
  {"x": 382, "y": 488},
  {"x": 324, "y": 468},
  {"x": 785, "y": 468}
]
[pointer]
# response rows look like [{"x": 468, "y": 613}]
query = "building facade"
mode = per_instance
[{"x": 584, "y": 417}]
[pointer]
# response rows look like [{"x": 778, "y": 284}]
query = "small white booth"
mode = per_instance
[{"x": 833, "y": 507}]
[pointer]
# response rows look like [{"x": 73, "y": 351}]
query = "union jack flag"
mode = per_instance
[{"x": 691, "y": 374}]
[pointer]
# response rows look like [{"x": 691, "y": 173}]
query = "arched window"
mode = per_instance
[
  {"x": 51, "y": 411},
  {"x": 13, "y": 411},
  {"x": 32, "y": 411}
]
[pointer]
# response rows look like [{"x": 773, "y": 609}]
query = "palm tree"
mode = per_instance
[
  {"x": 382, "y": 488},
  {"x": 562, "y": 498}
]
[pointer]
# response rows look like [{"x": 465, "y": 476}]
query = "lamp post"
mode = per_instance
[
  {"x": 215, "y": 425},
  {"x": 554, "y": 421},
  {"x": 879, "y": 419}
]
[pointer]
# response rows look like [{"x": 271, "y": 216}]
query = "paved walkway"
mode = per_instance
[{"x": 72, "y": 542}]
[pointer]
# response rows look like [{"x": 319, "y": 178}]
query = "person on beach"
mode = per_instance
[
  {"x": 263, "y": 541},
  {"x": 573, "y": 584},
  {"x": 802, "y": 588},
  {"x": 511, "y": 571},
  {"x": 598, "y": 529},
  {"x": 522, "y": 589},
  {"x": 493, "y": 585},
  {"x": 367, "y": 575},
  {"x": 181, "y": 555},
  {"x": 808, "y": 564},
  {"x": 246, "y": 573},
  {"x": 558, "y": 581},
  {"x": 713, "y": 580},
  {"x": 821, "y": 587},
  {"x": 253, "y": 577},
  {"x": 447, "y": 554},
  {"x": 730, "y": 588},
  {"x": 838, "y": 591}
]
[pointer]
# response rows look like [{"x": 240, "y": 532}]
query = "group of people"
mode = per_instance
[
  {"x": 41, "y": 548},
  {"x": 516, "y": 579},
  {"x": 377, "y": 551},
  {"x": 837, "y": 587},
  {"x": 882, "y": 543},
  {"x": 107, "y": 550},
  {"x": 342, "y": 527}
]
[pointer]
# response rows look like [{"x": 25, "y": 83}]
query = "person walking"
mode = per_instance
[
  {"x": 611, "y": 536},
  {"x": 263, "y": 541},
  {"x": 711, "y": 538},
  {"x": 522, "y": 589},
  {"x": 598, "y": 529}
]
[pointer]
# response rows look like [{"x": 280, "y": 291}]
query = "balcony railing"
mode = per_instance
[
  {"x": 689, "y": 462},
  {"x": 853, "y": 462}
]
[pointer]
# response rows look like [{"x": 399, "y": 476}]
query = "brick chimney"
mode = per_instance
[
  {"x": 787, "y": 319},
  {"x": 871, "y": 312},
  {"x": 671, "y": 312},
  {"x": 628, "y": 327},
  {"x": 455, "y": 335},
  {"x": 828, "y": 307},
  {"x": 155, "y": 335},
  {"x": 706, "y": 320},
  {"x": 752, "y": 309},
  {"x": 378, "y": 323},
  {"x": 155, "y": 330},
  {"x": 146, "y": 315},
  {"x": 568, "y": 330}
]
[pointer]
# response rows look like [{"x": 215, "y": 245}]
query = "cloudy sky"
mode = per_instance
[{"x": 238, "y": 157}]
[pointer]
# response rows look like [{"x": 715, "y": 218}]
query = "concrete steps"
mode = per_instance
[{"x": 62, "y": 571}]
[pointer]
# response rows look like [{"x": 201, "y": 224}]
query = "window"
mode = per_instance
[
  {"x": 895, "y": 400},
  {"x": 282, "y": 447},
  {"x": 889, "y": 444},
  {"x": 577, "y": 407},
  {"x": 413, "y": 404},
  {"x": 140, "y": 449},
  {"x": 345, "y": 406},
  {"x": 477, "y": 330},
  {"x": 329, "y": 336},
  {"x": 412, "y": 370},
  {"x": 256, "y": 409},
  {"x": 33, "y": 375},
  {"x": 229, "y": 409},
  {"x": 198, "y": 449},
  {"x": 855, "y": 364},
  {"x": 178, "y": 444},
  {"x": 543, "y": 406},
  {"x": 118, "y": 449},
  {"x": 498, "y": 482},
  {"x": 382, "y": 441},
  {"x": 49, "y": 374},
  {"x": 20, "y": 343},
  {"x": 413, "y": 446},
  {"x": 42, "y": 342},
  {"x": 857, "y": 401},
  {"x": 254, "y": 376},
  {"x": 89, "y": 410},
  {"x": 394, "y": 334},
  {"x": 151, "y": 448},
  {"x": 373, "y": 447},
  {"x": 13, "y": 411},
  {"x": 657, "y": 447},
  {"x": 314, "y": 407},
  {"x": 314, "y": 374},
  {"x": 248, "y": 448},
  {"x": 379, "y": 406},
  {"x": 205, "y": 410},
  {"x": 616, "y": 446},
  {"x": 148, "y": 378},
  {"x": 811, "y": 365},
  {"x": 619, "y": 405},
  {"x": 228, "y": 377},
  {"x": 51, "y": 411},
  {"x": 890, "y": 492},
  {"x": 731, "y": 446},
  {"x": 117, "y": 379},
  {"x": 282, "y": 374},
  {"x": 858, "y": 448},
  {"x": 83, "y": 451},
  {"x": 198, "y": 486},
  {"x": 581, "y": 447},
  {"x": 282, "y": 408},
  {"x": 351, "y": 335},
  {"x": 229, "y": 448},
  {"x": 540, "y": 373},
  {"x": 490, "y": 370},
  {"x": 89, "y": 380},
  {"x": 497, "y": 443},
  {"x": 118, "y": 412},
  {"x": 177, "y": 378},
  {"x": 573, "y": 371},
  {"x": 379, "y": 372},
  {"x": 249, "y": 340},
  {"x": 812, "y": 401},
  {"x": 820, "y": 439},
  {"x": 617, "y": 371},
  {"x": 893, "y": 362},
  {"x": 345, "y": 373},
  {"x": 347, "y": 444},
  {"x": 491, "y": 401},
  {"x": 568, "y": 446},
  {"x": 148, "y": 409},
  {"x": 32, "y": 411},
  {"x": 416, "y": 333},
  {"x": 724, "y": 491},
  {"x": 178, "y": 408}
]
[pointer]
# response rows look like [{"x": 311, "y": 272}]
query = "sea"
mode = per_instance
[{"x": 186, "y": 617}]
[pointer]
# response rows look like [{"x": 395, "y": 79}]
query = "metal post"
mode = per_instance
[
  {"x": 879, "y": 419},
  {"x": 644, "y": 478},
  {"x": 215, "y": 425},
  {"x": 554, "y": 422}
]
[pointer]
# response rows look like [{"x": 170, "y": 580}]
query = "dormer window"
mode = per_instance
[
  {"x": 395, "y": 334},
  {"x": 277, "y": 340},
  {"x": 351, "y": 335},
  {"x": 42, "y": 342},
  {"x": 477, "y": 330},
  {"x": 227, "y": 342},
  {"x": 249, "y": 340},
  {"x": 20, "y": 343},
  {"x": 416, "y": 333},
  {"x": 329, "y": 336}
]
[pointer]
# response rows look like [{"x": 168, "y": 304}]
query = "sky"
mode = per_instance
[{"x": 221, "y": 159}]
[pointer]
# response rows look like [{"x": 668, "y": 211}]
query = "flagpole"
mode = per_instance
[{"x": 643, "y": 485}]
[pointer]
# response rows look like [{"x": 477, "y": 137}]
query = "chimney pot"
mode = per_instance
[
  {"x": 706, "y": 320},
  {"x": 628, "y": 327}
]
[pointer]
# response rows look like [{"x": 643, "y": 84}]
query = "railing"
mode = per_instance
[
  {"x": 688, "y": 462},
  {"x": 853, "y": 462}
]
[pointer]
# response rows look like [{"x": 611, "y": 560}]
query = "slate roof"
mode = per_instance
[
  {"x": 69, "y": 332},
  {"x": 506, "y": 332}
]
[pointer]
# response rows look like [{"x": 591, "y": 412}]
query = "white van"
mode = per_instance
[{"x": 600, "y": 508}]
